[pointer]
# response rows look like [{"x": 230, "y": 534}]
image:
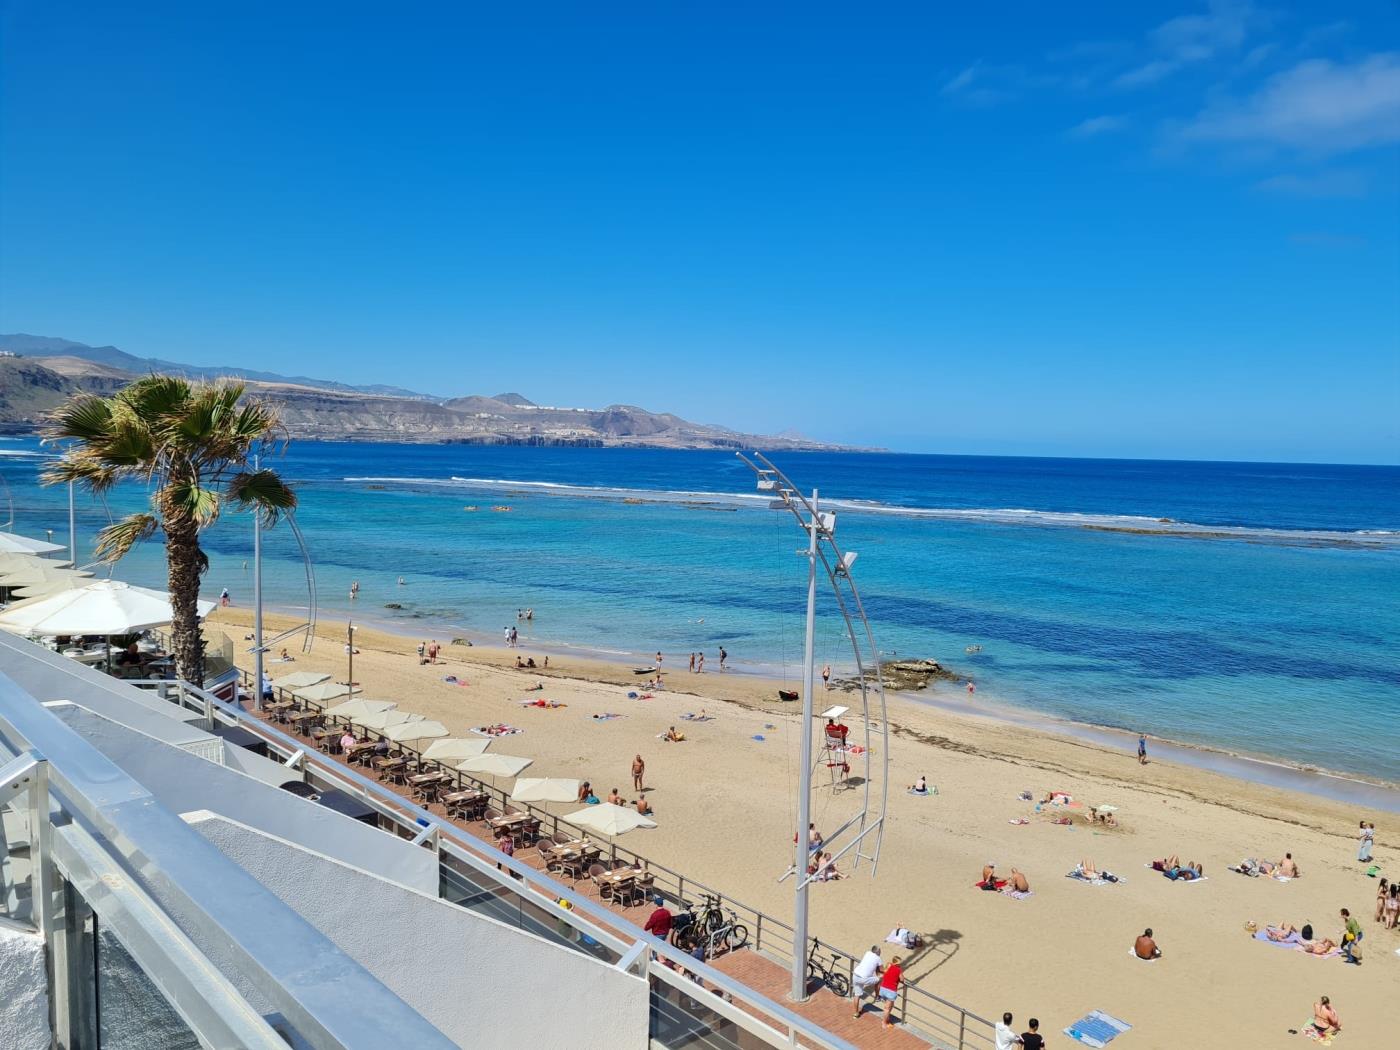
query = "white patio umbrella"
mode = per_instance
[
  {"x": 422, "y": 729},
  {"x": 300, "y": 680},
  {"x": 53, "y": 586},
  {"x": 39, "y": 573},
  {"x": 608, "y": 819},
  {"x": 14, "y": 543},
  {"x": 101, "y": 607},
  {"x": 545, "y": 789},
  {"x": 454, "y": 749},
  {"x": 494, "y": 765},
  {"x": 382, "y": 720},
  {"x": 357, "y": 708},
  {"x": 325, "y": 691}
]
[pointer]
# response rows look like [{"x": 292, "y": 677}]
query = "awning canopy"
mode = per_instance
[{"x": 545, "y": 789}]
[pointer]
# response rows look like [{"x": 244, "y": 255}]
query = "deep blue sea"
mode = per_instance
[{"x": 1264, "y": 617}]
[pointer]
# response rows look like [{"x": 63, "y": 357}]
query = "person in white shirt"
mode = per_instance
[
  {"x": 1006, "y": 1037},
  {"x": 866, "y": 977}
]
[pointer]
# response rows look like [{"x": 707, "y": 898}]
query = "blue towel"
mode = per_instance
[{"x": 1097, "y": 1029}]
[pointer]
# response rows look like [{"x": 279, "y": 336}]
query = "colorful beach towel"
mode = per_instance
[
  {"x": 1101, "y": 879},
  {"x": 1097, "y": 1029},
  {"x": 1017, "y": 895},
  {"x": 1159, "y": 871},
  {"x": 605, "y": 717},
  {"x": 496, "y": 731}
]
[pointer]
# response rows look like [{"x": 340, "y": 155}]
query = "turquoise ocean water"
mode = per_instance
[{"x": 1268, "y": 624}]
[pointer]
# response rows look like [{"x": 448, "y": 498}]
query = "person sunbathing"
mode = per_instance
[
  {"x": 1166, "y": 863},
  {"x": 826, "y": 869},
  {"x": 616, "y": 799},
  {"x": 1287, "y": 867},
  {"x": 1188, "y": 873},
  {"x": 1087, "y": 870},
  {"x": 989, "y": 873},
  {"x": 920, "y": 786},
  {"x": 673, "y": 736},
  {"x": 1145, "y": 947},
  {"x": 1282, "y": 932},
  {"x": 1018, "y": 882},
  {"x": 643, "y": 806},
  {"x": 1322, "y": 946}
]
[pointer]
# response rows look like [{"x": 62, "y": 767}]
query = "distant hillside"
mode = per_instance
[
  {"x": 54, "y": 369},
  {"x": 111, "y": 357}
]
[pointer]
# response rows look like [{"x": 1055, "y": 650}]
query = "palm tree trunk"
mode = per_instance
[{"x": 184, "y": 561}]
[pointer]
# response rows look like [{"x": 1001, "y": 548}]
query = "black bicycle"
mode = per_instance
[
  {"x": 826, "y": 972},
  {"x": 714, "y": 928}
]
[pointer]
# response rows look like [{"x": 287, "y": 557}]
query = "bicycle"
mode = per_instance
[
  {"x": 827, "y": 973},
  {"x": 712, "y": 928}
]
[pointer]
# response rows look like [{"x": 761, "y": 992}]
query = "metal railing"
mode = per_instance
[
  {"x": 99, "y": 845},
  {"x": 938, "y": 1019},
  {"x": 534, "y": 896}
]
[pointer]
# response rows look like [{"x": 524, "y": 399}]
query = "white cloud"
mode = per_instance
[
  {"x": 1317, "y": 184},
  {"x": 1097, "y": 126},
  {"x": 987, "y": 85},
  {"x": 1317, "y": 105},
  {"x": 1194, "y": 38}
]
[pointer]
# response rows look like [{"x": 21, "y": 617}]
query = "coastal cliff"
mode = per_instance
[{"x": 38, "y": 373}]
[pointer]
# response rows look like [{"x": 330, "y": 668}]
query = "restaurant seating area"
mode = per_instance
[{"x": 536, "y": 836}]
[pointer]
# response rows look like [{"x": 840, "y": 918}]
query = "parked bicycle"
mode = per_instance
[
  {"x": 825, "y": 971},
  {"x": 713, "y": 926}
]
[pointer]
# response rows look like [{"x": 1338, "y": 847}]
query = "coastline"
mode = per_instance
[{"x": 1254, "y": 768}]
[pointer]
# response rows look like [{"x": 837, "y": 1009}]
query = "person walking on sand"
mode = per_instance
[
  {"x": 433, "y": 650},
  {"x": 639, "y": 769},
  {"x": 700, "y": 663},
  {"x": 826, "y": 676},
  {"x": 1142, "y": 749},
  {"x": 422, "y": 648},
  {"x": 1368, "y": 840},
  {"x": 692, "y": 663},
  {"x": 723, "y": 656},
  {"x": 658, "y": 661}
]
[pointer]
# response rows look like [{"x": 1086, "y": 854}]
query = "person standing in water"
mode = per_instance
[
  {"x": 826, "y": 676},
  {"x": 723, "y": 656}
]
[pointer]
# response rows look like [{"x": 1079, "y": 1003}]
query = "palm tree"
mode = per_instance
[{"x": 191, "y": 444}]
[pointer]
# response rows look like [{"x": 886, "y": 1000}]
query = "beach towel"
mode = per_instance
[
  {"x": 608, "y": 717},
  {"x": 1097, "y": 1029},
  {"x": 998, "y": 883},
  {"x": 1019, "y": 820},
  {"x": 496, "y": 731},
  {"x": 931, "y": 790},
  {"x": 1203, "y": 878},
  {"x": 1291, "y": 941},
  {"x": 1139, "y": 958},
  {"x": 1312, "y": 1033},
  {"x": 1101, "y": 879},
  {"x": 1017, "y": 895},
  {"x": 547, "y": 705},
  {"x": 688, "y": 717}
]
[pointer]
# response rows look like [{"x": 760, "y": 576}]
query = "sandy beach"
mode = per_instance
[{"x": 725, "y": 808}]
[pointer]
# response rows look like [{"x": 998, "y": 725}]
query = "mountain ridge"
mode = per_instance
[{"x": 37, "y": 373}]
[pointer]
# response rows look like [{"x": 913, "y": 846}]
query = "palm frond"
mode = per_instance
[
  {"x": 117, "y": 539},
  {"x": 85, "y": 417},
  {"x": 263, "y": 491},
  {"x": 80, "y": 470},
  {"x": 189, "y": 497},
  {"x": 155, "y": 397}
]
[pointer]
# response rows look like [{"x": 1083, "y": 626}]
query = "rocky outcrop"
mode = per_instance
[{"x": 903, "y": 676}]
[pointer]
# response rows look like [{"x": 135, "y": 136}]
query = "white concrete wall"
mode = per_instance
[
  {"x": 182, "y": 782},
  {"x": 24, "y": 990},
  {"x": 268, "y": 770},
  {"x": 482, "y": 983}
]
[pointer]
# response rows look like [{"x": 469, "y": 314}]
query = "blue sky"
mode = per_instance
[{"x": 1070, "y": 229}]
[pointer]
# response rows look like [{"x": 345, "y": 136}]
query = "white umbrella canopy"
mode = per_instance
[
  {"x": 99, "y": 607},
  {"x": 13, "y": 543},
  {"x": 37, "y": 573},
  {"x": 495, "y": 765},
  {"x": 382, "y": 720},
  {"x": 357, "y": 708},
  {"x": 48, "y": 587},
  {"x": 545, "y": 789},
  {"x": 454, "y": 749},
  {"x": 300, "y": 680},
  {"x": 608, "y": 819},
  {"x": 324, "y": 691},
  {"x": 424, "y": 729}
]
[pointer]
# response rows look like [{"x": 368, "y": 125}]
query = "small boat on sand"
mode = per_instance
[
  {"x": 644, "y": 670},
  {"x": 787, "y": 694}
]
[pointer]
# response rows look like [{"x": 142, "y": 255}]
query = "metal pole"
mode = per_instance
[
  {"x": 350, "y": 652},
  {"x": 257, "y": 612},
  {"x": 72, "y": 529},
  {"x": 804, "y": 788}
]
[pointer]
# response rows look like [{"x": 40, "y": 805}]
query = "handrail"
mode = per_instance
[
  {"x": 325, "y": 995},
  {"x": 462, "y": 846},
  {"x": 771, "y": 936}
]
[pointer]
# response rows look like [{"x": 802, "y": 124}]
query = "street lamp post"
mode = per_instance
[{"x": 350, "y": 654}]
